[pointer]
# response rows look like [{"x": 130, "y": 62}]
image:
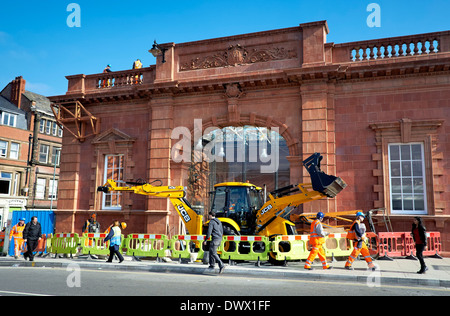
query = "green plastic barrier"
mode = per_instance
[
  {"x": 337, "y": 245},
  {"x": 290, "y": 247},
  {"x": 146, "y": 245},
  {"x": 247, "y": 248},
  {"x": 63, "y": 243},
  {"x": 187, "y": 247},
  {"x": 93, "y": 244}
]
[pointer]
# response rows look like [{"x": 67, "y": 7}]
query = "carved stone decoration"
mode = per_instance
[
  {"x": 237, "y": 55},
  {"x": 233, "y": 90}
]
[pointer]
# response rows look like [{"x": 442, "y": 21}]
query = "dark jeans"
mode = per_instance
[
  {"x": 419, "y": 253},
  {"x": 213, "y": 256},
  {"x": 31, "y": 246},
  {"x": 114, "y": 250}
]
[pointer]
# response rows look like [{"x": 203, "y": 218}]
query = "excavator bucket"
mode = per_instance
[{"x": 322, "y": 182}]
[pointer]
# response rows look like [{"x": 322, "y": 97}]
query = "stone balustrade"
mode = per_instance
[
  {"x": 394, "y": 47},
  {"x": 111, "y": 80}
]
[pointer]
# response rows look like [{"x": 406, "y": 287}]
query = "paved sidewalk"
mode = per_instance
[{"x": 397, "y": 272}]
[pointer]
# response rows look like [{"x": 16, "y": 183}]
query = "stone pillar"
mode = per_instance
[
  {"x": 159, "y": 147},
  {"x": 166, "y": 71},
  {"x": 318, "y": 134},
  {"x": 314, "y": 39}
]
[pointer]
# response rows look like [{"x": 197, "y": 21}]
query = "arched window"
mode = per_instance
[{"x": 238, "y": 154}]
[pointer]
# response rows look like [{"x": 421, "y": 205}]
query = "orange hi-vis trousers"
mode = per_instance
[
  {"x": 317, "y": 249},
  {"x": 363, "y": 250},
  {"x": 18, "y": 245}
]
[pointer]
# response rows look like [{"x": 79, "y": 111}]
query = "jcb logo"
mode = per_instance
[
  {"x": 266, "y": 209},
  {"x": 183, "y": 213}
]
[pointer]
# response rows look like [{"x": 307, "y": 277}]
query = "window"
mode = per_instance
[
  {"x": 16, "y": 184},
  {"x": 5, "y": 182},
  {"x": 41, "y": 126},
  {"x": 113, "y": 170},
  {"x": 9, "y": 119},
  {"x": 3, "y": 148},
  {"x": 43, "y": 153},
  {"x": 54, "y": 128},
  {"x": 40, "y": 189},
  {"x": 14, "y": 151},
  {"x": 60, "y": 132},
  {"x": 47, "y": 127},
  {"x": 53, "y": 189},
  {"x": 407, "y": 179},
  {"x": 56, "y": 152}
]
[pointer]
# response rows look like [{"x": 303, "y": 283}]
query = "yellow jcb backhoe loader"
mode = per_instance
[{"x": 240, "y": 206}]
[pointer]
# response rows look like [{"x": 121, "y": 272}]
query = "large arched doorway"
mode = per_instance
[{"x": 237, "y": 154}]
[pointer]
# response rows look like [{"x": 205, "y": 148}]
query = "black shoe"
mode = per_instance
[
  {"x": 422, "y": 271},
  {"x": 221, "y": 269}
]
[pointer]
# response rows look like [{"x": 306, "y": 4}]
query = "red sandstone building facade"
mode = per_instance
[{"x": 378, "y": 111}]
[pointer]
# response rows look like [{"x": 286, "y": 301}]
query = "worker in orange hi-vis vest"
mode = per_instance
[
  {"x": 317, "y": 239},
  {"x": 357, "y": 234},
  {"x": 17, "y": 233},
  {"x": 91, "y": 226}
]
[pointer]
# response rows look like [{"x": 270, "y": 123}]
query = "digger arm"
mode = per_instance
[
  {"x": 274, "y": 207},
  {"x": 321, "y": 186},
  {"x": 176, "y": 195}
]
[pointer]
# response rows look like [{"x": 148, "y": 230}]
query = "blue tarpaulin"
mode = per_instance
[{"x": 46, "y": 218}]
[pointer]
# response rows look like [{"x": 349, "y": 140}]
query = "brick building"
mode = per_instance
[
  {"x": 30, "y": 144},
  {"x": 377, "y": 111}
]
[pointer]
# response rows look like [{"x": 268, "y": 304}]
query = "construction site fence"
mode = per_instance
[
  {"x": 384, "y": 245},
  {"x": 401, "y": 244}
]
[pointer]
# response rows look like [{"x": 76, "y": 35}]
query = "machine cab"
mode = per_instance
[{"x": 238, "y": 201}]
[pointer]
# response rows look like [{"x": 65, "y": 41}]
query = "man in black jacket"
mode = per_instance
[
  {"x": 215, "y": 231},
  {"x": 31, "y": 235}
]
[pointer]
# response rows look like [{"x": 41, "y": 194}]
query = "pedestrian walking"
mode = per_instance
[
  {"x": 316, "y": 240},
  {"x": 419, "y": 235},
  {"x": 357, "y": 234},
  {"x": 31, "y": 235},
  {"x": 17, "y": 234},
  {"x": 215, "y": 231},
  {"x": 115, "y": 241}
]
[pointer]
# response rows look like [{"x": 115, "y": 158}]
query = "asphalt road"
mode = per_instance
[{"x": 75, "y": 282}]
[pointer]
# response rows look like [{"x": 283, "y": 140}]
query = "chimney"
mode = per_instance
[{"x": 17, "y": 88}]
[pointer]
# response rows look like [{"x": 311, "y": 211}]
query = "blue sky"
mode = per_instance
[{"x": 36, "y": 43}]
